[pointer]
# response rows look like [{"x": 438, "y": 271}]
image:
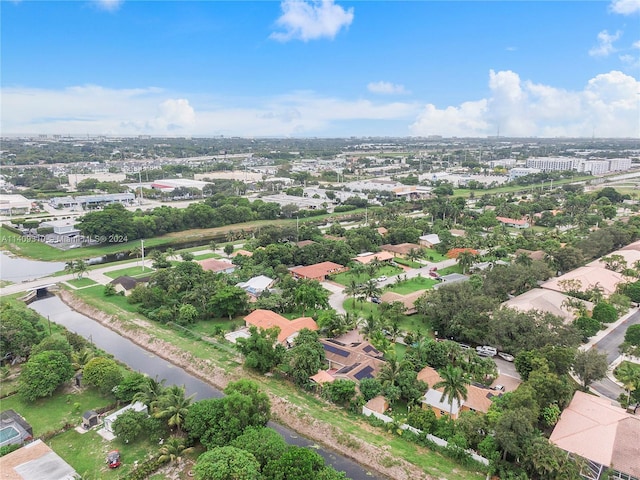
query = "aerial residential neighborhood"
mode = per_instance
[{"x": 328, "y": 240}]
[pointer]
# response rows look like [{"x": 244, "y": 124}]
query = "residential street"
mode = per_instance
[{"x": 610, "y": 343}]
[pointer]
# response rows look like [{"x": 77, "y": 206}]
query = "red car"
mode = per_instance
[{"x": 113, "y": 459}]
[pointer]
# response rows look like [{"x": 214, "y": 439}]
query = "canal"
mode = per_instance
[{"x": 146, "y": 362}]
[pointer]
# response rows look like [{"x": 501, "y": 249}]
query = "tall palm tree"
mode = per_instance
[
  {"x": 390, "y": 371},
  {"x": 173, "y": 406},
  {"x": 370, "y": 289},
  {"x": 136, "y": 252},
  {"x": 81, "y": 358},
  {"x": 352, "y": 290},
  {"x": 80, "y": 268},
  {"x": 465, "y": 260},
  {"x": 173, "y": 449},
  {"x": 151, "y": 392},
  {"x": 70, "y": 266},
  {"x": 454, "y": 385}
]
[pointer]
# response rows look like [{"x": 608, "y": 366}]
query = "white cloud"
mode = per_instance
[
  {"x": 635, "y": 44},
  {"x": 608, "y": 103},
  {"x": 605, "y": 44},
  {"x": 625, "y": 7},
  {"x": 109, "y": 5},
  {"x": 386, "y": 88},
  {"x": 97, "y": 110},
  {"x": 306, "y": 21}
]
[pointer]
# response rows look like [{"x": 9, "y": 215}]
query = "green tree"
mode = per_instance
[
  {"x": 340, "y": 391},
  {"x": 129, "y": 426},
  {"x": 605, "y": 312},
  {"x": 131, "y": 384},
  {"x": 588, "y": 326},
  {"x": 228, "y": 249},
  {"x": 513, "y": 432},
  {"x": 306, "y": 357},
  {"x": 173, "y": 407},
  {"x": 632, "y": 335},
  {"x": 370, "y": 388},
  {"x": 103, "y": 374},
  {"x": 229, "y": 301},
  {"x": 56, "y": 342},
  {"x": 264, "y": 443},
  {"x": 261, "y": 349},
  {"x": 150, "y": 392},
  {"x": 297, "y": 463},
  {"x": 43, "y": 374},
  {"x": 227, "y": 463},
  {"x": 422, "y": 419},
  {"x": 590, "y": 366},
  {"x": 19, "y": 330},
  {"x": 465, "y": 260},
  {"x": 454, "y": 385},
  {"x": 187, "y": 314}
]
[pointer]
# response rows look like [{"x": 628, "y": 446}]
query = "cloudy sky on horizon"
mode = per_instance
[{"x": 326, "y": 68}]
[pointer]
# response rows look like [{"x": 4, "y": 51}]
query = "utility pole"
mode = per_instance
[{"x": 142, "y": 252}]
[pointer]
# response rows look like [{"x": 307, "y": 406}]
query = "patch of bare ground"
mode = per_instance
[{"x": 371, "y": 456}]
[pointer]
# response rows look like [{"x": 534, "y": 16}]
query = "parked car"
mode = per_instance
[
  {"x": 375, "y": 300},
  {"x": 464, "y": 346},
  {"x": 382, "y": 278},
  {"x": 498, "y": 387},
  {"x": 113, "y": 459},
  {"x": 506, "y": 356},
  {"x": 486, "y": 351}
]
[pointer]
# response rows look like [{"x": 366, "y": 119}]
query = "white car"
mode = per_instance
[
  {"x": 506, "y": 356},
  {"x": 382, "y": 278},
  {"x": 486, "y": 351}
]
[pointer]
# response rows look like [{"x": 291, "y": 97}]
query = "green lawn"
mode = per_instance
[
  {"x": 81, "y": 282},
  {"x": 51, "y": 413},
  {"x": 204, "y": 256},
  {"x": 433, "y": 256},
  {"x": 412, "y": 285},
  {"x": 86, "y": 453},
  {"x": 95, "y": 296},
  {"x": 408, "y": 263},
  {"x": 135, "y": 271},
  {"x": 451, "y": 269}
]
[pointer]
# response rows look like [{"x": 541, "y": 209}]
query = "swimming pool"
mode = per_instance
[{"x": 7, "y": 434}]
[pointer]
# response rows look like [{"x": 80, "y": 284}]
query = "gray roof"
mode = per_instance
[
  {"x": 451, "y": 278},
  {"x": 435, "y": 399}
]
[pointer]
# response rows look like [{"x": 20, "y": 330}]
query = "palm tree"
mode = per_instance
[
  {"x": 629, "y": 376},
  {"x": 370, "y": 325},
  {"x": 370, "y": 289},
  {"x": 390, "y": 371},
  {"x": 171, "y": 253},
  {"x": 70, "y": 266},
  {"x": 173, "y": 449},
  {"x": 454, "y": 385},
  {"x": 465, "y": 260},
  {"x": 413, "y": 255},
  {"x": 173, "y": 406},
  {"x": 352, "y": 290},
  {"x": 136, "y": 252},
  {"x": 81, "y": 358},
  {"x": 80, "y": 268},
  {"x": 151, "y": 392}
]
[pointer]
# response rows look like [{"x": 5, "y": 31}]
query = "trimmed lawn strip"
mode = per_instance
[
  {"x": 433, "y": 256},
  {"x": 114, "y": 304},
  {"x": 204, "y": 256},
  {"x": 412, "y": 285},
  {"x": 136, "y": 271},
  {"x": 81, "y": 282}
]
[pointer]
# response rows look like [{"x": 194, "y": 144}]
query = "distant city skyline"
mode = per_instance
[{"x": 321, "y": 68}]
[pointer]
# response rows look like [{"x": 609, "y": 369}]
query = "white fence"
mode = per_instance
[{"x": 437, "y": 440}]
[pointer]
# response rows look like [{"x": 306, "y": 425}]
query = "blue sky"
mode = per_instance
[{"x": 321, "y": 68}]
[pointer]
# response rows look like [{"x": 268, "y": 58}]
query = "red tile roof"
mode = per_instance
[{"x": 265, "y": 319}]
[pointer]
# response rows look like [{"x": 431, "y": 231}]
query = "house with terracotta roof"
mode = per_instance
[
  {"x": 478, "y": 399},
  {"x": 512, "y": 222},
  {"x": 317, "y": 271},
  {"x": 549, "y": 301},
  {"x": 408, "y": 300},
  {"x": 244, "y": 253},
  {"x": 401, "y": 249},
  {"x": 352, "y": 362},
  {"x": 216, "y": 266},
  {"x": 289, "y": 329},
  {"x": 587, "y": 278},
  {"x": 366, "y": 258},
  {"x": 603, "y": 434}
]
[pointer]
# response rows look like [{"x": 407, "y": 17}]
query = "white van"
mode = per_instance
[{"x": 486, "y": 351}]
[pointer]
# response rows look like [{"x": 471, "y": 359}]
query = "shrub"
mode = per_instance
[
  {"x": 632, "y": 335},
  {"x": 605, "y": 312}
]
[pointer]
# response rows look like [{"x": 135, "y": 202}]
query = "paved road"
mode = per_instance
[
  {"x": 610, "y": 343},
  {"x": 607, "y": 388}
]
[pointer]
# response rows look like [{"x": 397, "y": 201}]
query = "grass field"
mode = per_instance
[
  {"x": 81, "y": 282},
  {"x": 86, "y": 453},
  {"x": 113, "y": 304},
  {"x": 204, "y": 256},
  {"x": 51, "y": 413},
  {"x": 136, "y": 271},
  {"x": 412, "y": 285},
  {"x": 433, "y": 256}
]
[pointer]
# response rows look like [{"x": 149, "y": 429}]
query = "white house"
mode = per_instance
[{"x": 136, "y": 407}]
